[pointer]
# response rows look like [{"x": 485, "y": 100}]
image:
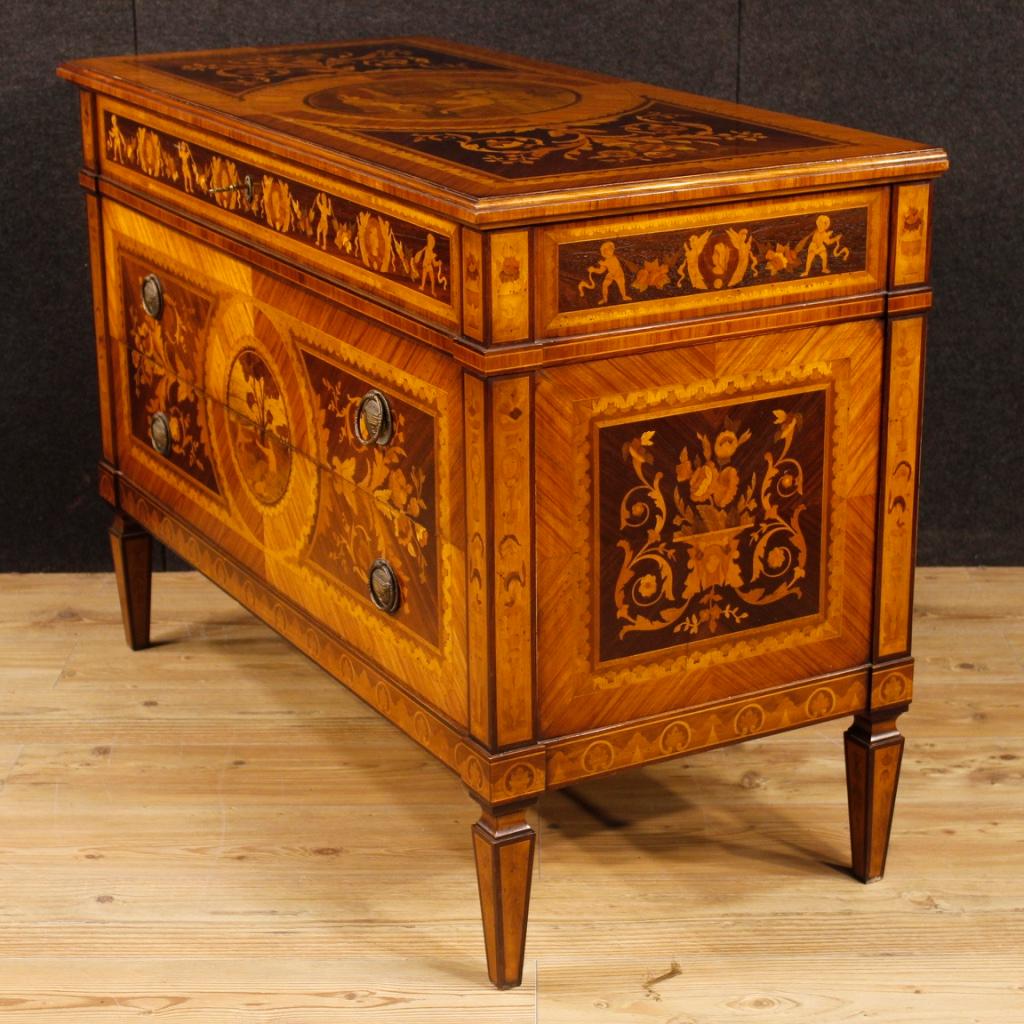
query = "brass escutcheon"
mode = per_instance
[
  {"x": 152, "y": 296},
  {"x": 384, "y": 589},
  {"x": 160, "y": 432},
  {"x": 374, "y": 423}
]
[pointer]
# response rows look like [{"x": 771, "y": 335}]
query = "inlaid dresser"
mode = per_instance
[{"x": 571, "y": 423}]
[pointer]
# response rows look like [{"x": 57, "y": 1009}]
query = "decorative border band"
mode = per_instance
[
  {"x": 892, "y": 685},
  {"x": 740, "y": 719},
  {"x": 382, "y": 245}
]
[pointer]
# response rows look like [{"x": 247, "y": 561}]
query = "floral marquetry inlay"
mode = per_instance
[
  {"x": 716, "y": 525},
  {"x": 654, "y": 132},
  {"x": 237, "y": 72},
  {"x": 165, "y": 365}
]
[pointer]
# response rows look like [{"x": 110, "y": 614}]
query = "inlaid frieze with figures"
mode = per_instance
[{"x": 377, "y": 242}]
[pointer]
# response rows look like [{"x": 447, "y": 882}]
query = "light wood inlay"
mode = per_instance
[
  {"x": 479, "y": 558},
  {"x": 99, "y": 314},
  {"x": 510, "y": 275},
  {"x": 511, "y": 409},
  {"x": 474, "y": 275},
  {"x": 892, "y": 685},
  {"x": 902, "y": 448},
  {"x": 912, "y": 231}
]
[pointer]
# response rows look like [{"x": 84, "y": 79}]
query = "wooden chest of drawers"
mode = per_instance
[{"x": 571, "y": 423}]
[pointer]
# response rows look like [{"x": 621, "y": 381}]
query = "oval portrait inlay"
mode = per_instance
[
  {"x": 260, "y": 436},
  {"x": 440, "y": 99}
]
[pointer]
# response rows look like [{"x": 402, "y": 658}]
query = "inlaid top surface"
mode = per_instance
[{"x": 483, "y": 128}]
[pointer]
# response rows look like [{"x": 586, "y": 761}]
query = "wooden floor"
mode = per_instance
[{"x": 213, "y": 831}]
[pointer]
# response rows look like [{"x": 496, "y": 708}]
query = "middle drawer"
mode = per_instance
[{"x": 308, "y": 443}]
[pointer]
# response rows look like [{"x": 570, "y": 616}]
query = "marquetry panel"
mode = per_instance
[
  {"x": 509, "y": 285},
  {"x": 695, "y": 539},
  {"x": 729, "y": 497},
  {"x": 262, "y": 400},
  {"x": 406, "y": 256},
  {"x": 511, "y": 420},
  {"x": 892, "y": 685},
  {"x": 911, "y": 244},
  {"x": 645, "y": 269},
  {"x": 900, "y": 479},
  {"x": 668, "y": 736}
]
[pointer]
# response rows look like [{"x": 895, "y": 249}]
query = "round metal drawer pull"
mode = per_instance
[
  {"x": 384, "y": 590},
  {"x": 160, "y": 432},
  {"x": 152, "y": 296},
  {"x": 374, "y": 423}
]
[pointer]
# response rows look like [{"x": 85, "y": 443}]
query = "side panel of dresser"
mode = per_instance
[
  {"x": 272, "y": 494},
  {"x": 706, "y": 527}
]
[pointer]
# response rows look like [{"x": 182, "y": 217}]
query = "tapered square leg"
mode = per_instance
[
  {"x": 874, "y": 752},
  {"x": 503, "y": 844},
  {"x": 131, "y": 547}
]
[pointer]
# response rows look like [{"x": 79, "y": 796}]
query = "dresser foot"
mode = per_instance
[
  {"x": 503, "y": 844},
  {"x": 874, "y": 751},
  {"x": 131, "y": 548}
]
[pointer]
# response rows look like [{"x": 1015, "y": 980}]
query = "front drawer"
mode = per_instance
[
  {"x": 407, "y": 257},
  {"x": 254, "y": 385},
  {"x": 710, "y": 520}
]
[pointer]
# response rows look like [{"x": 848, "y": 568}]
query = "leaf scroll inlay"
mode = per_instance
[{"x": 717, "y": 522}]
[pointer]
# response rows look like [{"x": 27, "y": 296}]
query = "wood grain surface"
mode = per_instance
[
  {"x": 448, "y": 126},
  {"x": 617, "y": 579},
  {"x": 204, "y": 831}
]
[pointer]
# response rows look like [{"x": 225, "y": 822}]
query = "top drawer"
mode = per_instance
[
  {"x": 403, "y": 255},
  {"x": 622, "y": 272}
]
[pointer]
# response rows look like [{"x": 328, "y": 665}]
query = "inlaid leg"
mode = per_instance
[
  {"x": 874, "y": 750},
  {"x": 131, "y": 547},
  {"x": 503, "y": 843}
]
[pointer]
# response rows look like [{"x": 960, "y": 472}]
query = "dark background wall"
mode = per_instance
[{"x": 944, "y": 73}]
